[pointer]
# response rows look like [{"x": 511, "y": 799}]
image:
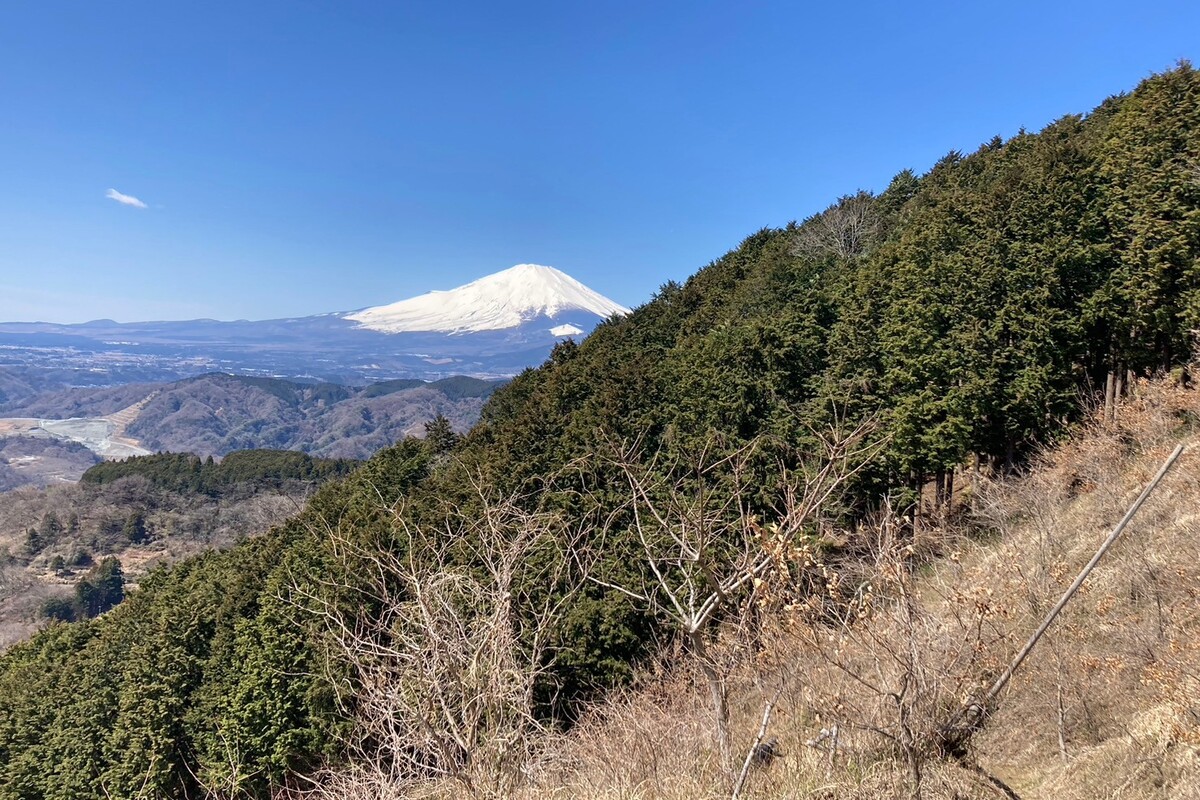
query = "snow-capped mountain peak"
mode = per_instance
[{"x": 507, "y": 299}]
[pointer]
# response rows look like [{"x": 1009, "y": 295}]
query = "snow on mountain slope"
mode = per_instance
[{"x": 504, "y": 300}]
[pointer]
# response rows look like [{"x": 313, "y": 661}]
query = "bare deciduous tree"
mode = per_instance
[
  {"x": 453, "y": 641},
  {"x": 706, "y": 554},
  {"x": 845, "y": 229}
]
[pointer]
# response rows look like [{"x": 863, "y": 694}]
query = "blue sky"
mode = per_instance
[{"x": 300, "y": 157}]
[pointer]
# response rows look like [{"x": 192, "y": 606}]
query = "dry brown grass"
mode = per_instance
[
  {"x": 1107, "y": 706},
  {"x": 1110, "y": 705}
]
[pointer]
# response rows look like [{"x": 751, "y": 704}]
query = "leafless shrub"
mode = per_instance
[
  {"x": 449, "y": 642},
  {"x": 707, "y": 556},
  {"x": 888, "y": 658}
]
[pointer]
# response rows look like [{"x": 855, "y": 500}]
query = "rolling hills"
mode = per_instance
[{"x": 56, "y": 436}]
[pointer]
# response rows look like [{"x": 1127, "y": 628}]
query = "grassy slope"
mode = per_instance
[
  {"x": 1118, "y": 676},
  {"x": 1125, "y": 657}
]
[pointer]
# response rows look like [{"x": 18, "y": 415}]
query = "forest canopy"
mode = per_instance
[{"x": 186, "y": 472}]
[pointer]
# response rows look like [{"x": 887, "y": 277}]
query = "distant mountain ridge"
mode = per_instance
[
  {"x": 218, "y": 413},
  {"x": 493, "y": 327}
]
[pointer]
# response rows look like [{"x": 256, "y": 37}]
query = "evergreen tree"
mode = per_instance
[
  {"x": 34, "y": 541},
  {"x": 50, "y": 529},
  {"x": 440, "y": 437},
  {"x": 135, "y": 527},
  {"x": 1147, "y": 165},
  {"x": 101, "y": 589}
]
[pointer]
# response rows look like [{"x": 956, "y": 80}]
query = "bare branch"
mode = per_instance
[{"x": 451, "y": 636}]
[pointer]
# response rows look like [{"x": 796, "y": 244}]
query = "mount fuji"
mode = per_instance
[
  {"x": 517, "y": 298},
  {"x": 491, "y": 328}
]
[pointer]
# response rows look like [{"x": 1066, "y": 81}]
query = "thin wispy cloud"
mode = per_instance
[{"x": 124, "y": 199}]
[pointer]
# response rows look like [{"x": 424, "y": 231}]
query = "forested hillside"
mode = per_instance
[
  {"x": 849, "y": 703},
  {"x": 217, "y": 413},
  {"x": 145, "y": 513},
  {"x": 244, "y": 470},
  {"x": 961, "y": 318}
]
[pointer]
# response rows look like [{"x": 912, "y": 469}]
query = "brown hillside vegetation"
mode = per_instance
[
  {"x": 91, "y": 519},
  {"x": 844, "y": 689}
]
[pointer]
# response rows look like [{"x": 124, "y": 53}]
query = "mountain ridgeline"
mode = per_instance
[
  {"x": 216, "y": 414},
  {"x": 492, "y": 327},
  {"x": 965, "y": 314}
]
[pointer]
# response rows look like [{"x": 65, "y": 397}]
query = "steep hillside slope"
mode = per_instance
[
  {"x": 1106, "y": 706},
  {"x": 1110, "y": 705}
]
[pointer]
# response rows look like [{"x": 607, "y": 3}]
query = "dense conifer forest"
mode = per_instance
[
  {"x": 963, "y": 317},
  {"x": 250, "y": 470}
]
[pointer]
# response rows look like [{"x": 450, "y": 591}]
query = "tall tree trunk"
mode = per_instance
[
  {"x": 914, "y": 486},
  {"x": 974, "y": 479},
  {"x": 720, "y": 705},
  {"x": 1110, "y": 385}
]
